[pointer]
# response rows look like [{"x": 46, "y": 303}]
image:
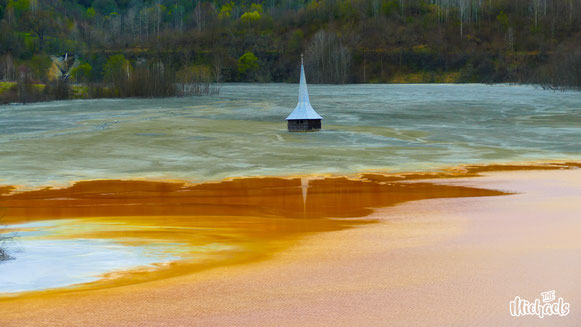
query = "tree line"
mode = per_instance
[{"x": 122, "y": 43}]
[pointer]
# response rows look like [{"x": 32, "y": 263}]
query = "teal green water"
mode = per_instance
[{"x": 242, "y": 132}]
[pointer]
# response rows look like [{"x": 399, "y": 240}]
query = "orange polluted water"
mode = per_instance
[{"x": 253, "y": 217}]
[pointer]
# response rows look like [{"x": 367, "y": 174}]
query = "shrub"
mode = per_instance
[
  {"x": 247, "y": 63},
  {"x": 156, "y": 79},
  {"x": 5, "y": 239},
  {"x": 82, "y": 73}
]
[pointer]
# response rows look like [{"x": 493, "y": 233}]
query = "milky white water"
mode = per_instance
[
  {"x": 242, "y": 132},
  {"x": 43, "y": 263}
]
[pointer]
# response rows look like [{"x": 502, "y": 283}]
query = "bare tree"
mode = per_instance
[
  {"x": 5, "y": 239},
  {"x": 510, "y": 39},
  {"x": 462, "y": 7},
  {"x": 376, "y": 8},
  {"x": 536, "y": 7},
  {"x": 40, "y": 23},
  {"x": 563, "y": 71},
  {"x": 7, "y": 68},
  {"x": 157, "y": 16},
  {"x": 114, "y": 27},
  {"x": 179, "y": 18},
  {"x": 217, "y": 69},
  {"x": 572, "y": 9},
  {"x": 402, "y": 7},
  {"x": 133, "y": 22},
  {"x": 199, "y": 16},
  {"x": 327, "y": 60}
]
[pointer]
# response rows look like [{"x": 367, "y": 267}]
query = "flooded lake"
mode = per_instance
[
  {"x": 93, "y": 230},
  {"x": 242, "y": 132}
]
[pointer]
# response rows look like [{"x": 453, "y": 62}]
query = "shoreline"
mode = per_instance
[
  {"x": 439, "y": 261},
  {"x": 462, "y": 170},
  {"x": 78, "y": 89}
]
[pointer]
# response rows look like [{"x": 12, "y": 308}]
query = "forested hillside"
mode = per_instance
[{"x": 344, "y": 41}]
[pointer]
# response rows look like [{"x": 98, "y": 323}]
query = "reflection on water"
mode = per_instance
[
  {"x": 260, "y": 200},
  {"x": 107, "y": 226},
  {"x": 242, "y": 132}
]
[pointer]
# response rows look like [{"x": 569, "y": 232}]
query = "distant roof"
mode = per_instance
[{"x": 303, "y": 110}]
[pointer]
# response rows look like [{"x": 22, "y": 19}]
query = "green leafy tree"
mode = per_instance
[
  {"x": 256, "y": 7},
  {"x": 82, "y": 73},
  {"x": 250, "y": 17},
  {"x": 247, "y": 63},
  {"x": 41, "y": 23},
  {"x": 39, "y": 64},
  {"x": 389, "y": 7},
  {"x": 105, "y": 7},
  {"x": 295, "y": 43},
  {"x": 91, "y": 12},
  {"x": 117, "y": 69},
  {"x": 502, "y": 18},
  {"x": 226, "y": 10},
  {"x": 20, "y": 7}
]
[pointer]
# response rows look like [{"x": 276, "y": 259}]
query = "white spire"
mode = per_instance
[{"x": 303, "y": 110}]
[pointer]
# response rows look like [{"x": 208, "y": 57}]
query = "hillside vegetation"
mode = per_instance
[{"x": 121, "y": 43}]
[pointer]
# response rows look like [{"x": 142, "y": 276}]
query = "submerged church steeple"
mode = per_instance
[{"x": 304, "y": 117}]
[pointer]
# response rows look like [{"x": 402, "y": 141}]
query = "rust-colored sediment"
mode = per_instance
[
  {"x": 334, "y": 197},
  {"x": 260, "y": 215},
  {"x": 331, "y": 197}
]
